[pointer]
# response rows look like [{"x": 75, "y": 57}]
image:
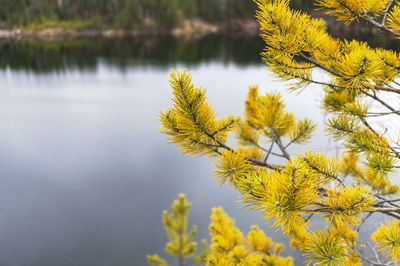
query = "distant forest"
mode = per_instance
[{"x": 124, "y": 13}]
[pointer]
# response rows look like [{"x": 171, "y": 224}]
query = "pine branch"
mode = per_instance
[
  {"x": 370, "y": 261},
  {"x": 320, "y": 65},
  {"x": 385, "y": 13},
  {"x": 376, "y": 114},
  {"x": 364, "y": 220},
  {"x": 277, "y": 140},
  {"x": 376, "y": 98},
  {"x": 322, "y": 171},
  {"x": 223, "y": 128},
  {"x": 378, "y": 25},
  {"x": 252, "y": 160},
  {"x": 388, "y": 89},
  {"x": 397, "y": 154},
  {"x": 269, "y": 151}
]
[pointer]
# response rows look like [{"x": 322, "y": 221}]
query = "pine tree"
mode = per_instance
[
  {"x": 181, "y": 242},
  {"x": 228, "y": 244},
  {"x": 360, "y": 85}
]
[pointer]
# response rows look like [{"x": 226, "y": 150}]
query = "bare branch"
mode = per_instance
[
  {"x": 277, "y": 139},
  {"x": 385, "y": 13},
  {"x": 378, "y": 25},
  {"x": 380, "y": 101},
  {"x": 269, "y": 151},
  {"x": 375, "y": 253},
  {"x": 320, "y": 65},
  {"x": 363, "y": 221}
]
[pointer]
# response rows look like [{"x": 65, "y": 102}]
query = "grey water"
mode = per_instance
[{"x": 84, "y": 173}]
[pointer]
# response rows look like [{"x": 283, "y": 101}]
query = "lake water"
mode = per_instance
[{"x": 84, "y": 172}]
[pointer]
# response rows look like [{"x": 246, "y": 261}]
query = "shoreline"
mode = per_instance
[
  {"x": 190, "y": 29},
  {"x": 195, "y": 28}
]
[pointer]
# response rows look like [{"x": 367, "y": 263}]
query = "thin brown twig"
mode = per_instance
[
  {"x": 320, "y": 65},
  {"x": 375, "y": 253},
  {"x": 269, "y": 152},
  {"x": 385, "y": 13},
  {"x": 280, "y": 145},
  {"x": 380, "y": 101},
  {"x": 378, "y": 25}
]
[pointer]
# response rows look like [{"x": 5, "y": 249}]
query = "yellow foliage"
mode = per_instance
[
  {"x": 359, "y": 65},
  {"x": 346, "y": 232},
  {"x": 247, "y": 134},
  {"x": 267, "y": 114},
  {"x": 156, "y": 260},
  {"x": 348, "y": 10},
  {"x": 225, "y": 236},
  {"x": 394, "y": 18},
  {"x": 326, "y": 248},
  {"x": 228, "y": 244},
  {"x": 347, "y": 204},
  {"x": 259, "y": 241},
  {"x": 294, "y": 188},
  {"x": 191, "y": 124},
  {"x": 231, "y": 165},
  {"x": 348, "y": 164},
  {"x": 230, "y": 247},
  {"x": 387, "y": 238},
  {"x": 300, "y": 238},
  {"x": 288, "y": 197},
  {"x": 175, "y": 224},
  {"x": 181, "y": 242}
]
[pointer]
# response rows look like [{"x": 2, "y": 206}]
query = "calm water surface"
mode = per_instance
[{"x": 84, "y": 173}]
